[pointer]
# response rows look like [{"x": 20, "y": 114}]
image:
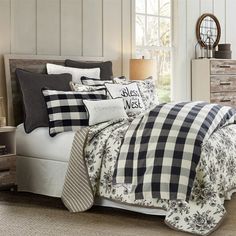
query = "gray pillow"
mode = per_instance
[
  {"x": 31, "y": 85},
  {"x": 105, "y": 67}
]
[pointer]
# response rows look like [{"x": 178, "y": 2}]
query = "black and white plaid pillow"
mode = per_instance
[
  {"x": 66, "y": 111},
  {"x": 94, "y": 82}
]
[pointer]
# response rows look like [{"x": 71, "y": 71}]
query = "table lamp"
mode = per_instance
[{"x": 141, "y": 69}]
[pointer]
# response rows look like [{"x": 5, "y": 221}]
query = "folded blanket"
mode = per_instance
[{"x": 161, "y": 150}]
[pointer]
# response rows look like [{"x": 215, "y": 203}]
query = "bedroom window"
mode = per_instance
[{"x": 153, "y": 39}]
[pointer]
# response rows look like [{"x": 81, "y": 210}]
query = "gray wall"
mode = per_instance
[{"x": 66, "y": 27}]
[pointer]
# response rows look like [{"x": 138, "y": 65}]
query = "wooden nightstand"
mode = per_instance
[{"x": 7, "y": 157}]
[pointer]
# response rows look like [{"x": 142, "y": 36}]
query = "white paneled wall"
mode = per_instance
[
  {"x": 103, "y": 28},
  {"x": 185, "y": 17},
  {"x": 66, "y": 27}
]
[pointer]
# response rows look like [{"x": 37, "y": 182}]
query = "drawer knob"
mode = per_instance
[
  {"x": 225, "y": 66},
  {"x": 225, "y": 100},
  {"x": 225, "y": 83}
]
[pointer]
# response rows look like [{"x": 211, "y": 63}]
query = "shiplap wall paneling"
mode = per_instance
[
  {"x": 192, "y": 17},
  {"x": 5, "y": 41},
  {"x": 179, "y": 83},
  {"x": 230, "y": 25},
  {"x": 23, "y": 26},
  {"x": 93, "y": 28},
  {"x": 127, "y": 35},
  {"x": 71, "y": 27},
  {"x": 112, "y": 33},
  {"x": 48, "y": 27},
  {"x": 206, "y": 6},
  {"x": 219, "y": 12}
]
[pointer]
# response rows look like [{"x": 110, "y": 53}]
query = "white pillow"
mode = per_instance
[
  {"x": 76, "y": 73},
  {"x": 130, "y": 93},
  {"x": 105, "y": 110}
]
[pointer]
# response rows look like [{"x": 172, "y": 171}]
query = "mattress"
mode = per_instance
[{"x": 38, "y": 144}]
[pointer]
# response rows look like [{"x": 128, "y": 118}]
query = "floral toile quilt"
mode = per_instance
[{"x": 214, "y": 183}]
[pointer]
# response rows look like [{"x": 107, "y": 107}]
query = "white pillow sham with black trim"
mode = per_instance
[
  {"x": 130, "y": 93},
  {"x": 76, "y": 73},
  {"x": 100, "y": 111},
  {"x": 66, "y": 110},
  {"x": 148, "y": 90}
]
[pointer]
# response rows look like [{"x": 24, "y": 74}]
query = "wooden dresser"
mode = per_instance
[{"x": 214, "y": 80}]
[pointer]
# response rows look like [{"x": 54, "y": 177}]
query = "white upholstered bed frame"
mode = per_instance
[{"x": 45, "y": 176}]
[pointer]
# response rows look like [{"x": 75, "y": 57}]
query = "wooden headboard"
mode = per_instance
[{"x": 33, "y": 63}]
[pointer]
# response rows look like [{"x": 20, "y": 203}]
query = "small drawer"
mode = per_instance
[
  {"x": 7, "y": 163},
  {"x": 220, "y": 67},
  {"x": 224, "y": 98},
  {"x": 7, "y": 178},
  {"x": 221, "y": 83}
]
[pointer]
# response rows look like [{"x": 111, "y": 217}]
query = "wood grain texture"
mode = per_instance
[
  {"x": 223, "y": 67},
  {"x": 71, "y": 27},
  {"x": 223, "y": 83},
  {"x": 224, "y": 98}
]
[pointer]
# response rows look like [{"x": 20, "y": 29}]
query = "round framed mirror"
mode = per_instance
[{"x": 208, "y": 31}]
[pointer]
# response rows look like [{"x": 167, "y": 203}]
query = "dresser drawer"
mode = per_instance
[
  {"x": 222, "y": 83},
  {"x": 7, "y": 178},
  {"x": 224, "y": 98},
  {"x": 219, "y": 67},
  {"x": 7, "y": 163}
]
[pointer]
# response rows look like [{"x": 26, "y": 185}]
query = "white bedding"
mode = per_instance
[{"x": 38, "y": 144}]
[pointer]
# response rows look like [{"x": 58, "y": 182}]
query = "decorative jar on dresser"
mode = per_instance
[
  {"x": 7, "y": 157},
  {"x": 214, "y": 80}
]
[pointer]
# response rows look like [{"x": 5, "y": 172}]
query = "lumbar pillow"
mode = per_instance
[
  {"x": 86, "y": 88},
  {"x": 31, "y": 85},
  {"x": 133, "y": 102},
  {"x": 94, "y": 82},
  {"x": 102, "y": 111},
  {"x": 75, "y": 72},
  {"x": 66, "y": 110},
  {"x": 105, "y": 67},
  {"x": 147, "y": 90}
]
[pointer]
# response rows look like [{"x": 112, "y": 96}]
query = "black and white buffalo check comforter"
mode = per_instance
[
  {"x": 95, "y": 154},
  {"x": 161, "y": 150}
]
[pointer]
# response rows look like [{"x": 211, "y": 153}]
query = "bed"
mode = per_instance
[
  {"x": 38, "y": 170},
  {"x": 43, "y": 171}
]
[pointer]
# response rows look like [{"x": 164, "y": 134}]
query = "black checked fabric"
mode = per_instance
[
  {"x": 66, "y": 111},
  {"x": 161, "y": 150},
  {"x": 94, "y": 82}
]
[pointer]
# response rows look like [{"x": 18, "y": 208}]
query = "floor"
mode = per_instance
[{"x": 23, "y": 214}]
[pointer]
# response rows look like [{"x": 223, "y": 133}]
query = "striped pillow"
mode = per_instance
[{"x": 66, "y": 110}]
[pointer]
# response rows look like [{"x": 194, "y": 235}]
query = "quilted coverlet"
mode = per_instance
[{"x": 214, "y": 182}]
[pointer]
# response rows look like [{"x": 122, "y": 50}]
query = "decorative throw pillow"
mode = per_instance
[
  {"x": 66, "y": 110},
  {"x": 34, "y": 105},
  {"x": 75, "y": 72},
  {"x": 147, "y": 89},
  {"x": 94, "y": 82},
  {"x": 100, "y": 111},
  {"x": 86, "y": 88},
  {"x": 105, "y": 67},
  {"x": 130, "y": 93}
]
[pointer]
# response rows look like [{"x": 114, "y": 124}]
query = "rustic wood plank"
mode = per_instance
[
  {"x": 223, "y": 83},
  {"x": 223, "y": 67}
]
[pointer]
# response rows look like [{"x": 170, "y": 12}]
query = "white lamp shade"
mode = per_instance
[{"x": 141, "y": 69}]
